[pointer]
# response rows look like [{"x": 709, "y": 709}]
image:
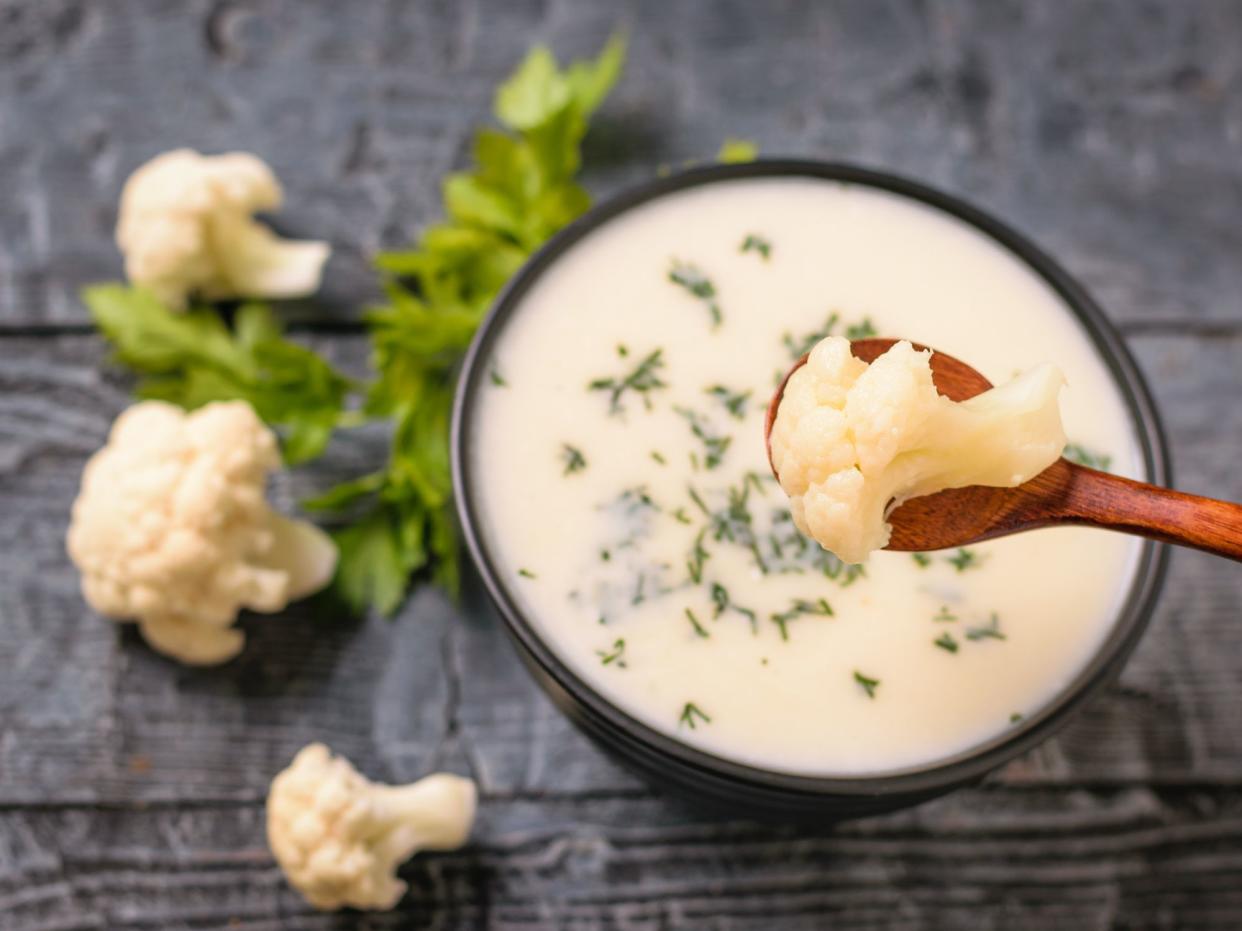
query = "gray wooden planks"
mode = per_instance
[
  {"x": 131, "y": 789},
  {"x": 92, "y": 715},
  {"x": 1108, "y": 132},
  {"x": 989, "y": 858}
]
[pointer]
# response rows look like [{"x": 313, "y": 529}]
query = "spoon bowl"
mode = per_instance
[{"x": 1063, "y": 494}]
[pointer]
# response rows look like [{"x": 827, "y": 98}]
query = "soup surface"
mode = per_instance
[{"x": 619, "y": 468}]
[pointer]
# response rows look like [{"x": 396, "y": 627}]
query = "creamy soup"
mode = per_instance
[{"x": 620, "y": 470}]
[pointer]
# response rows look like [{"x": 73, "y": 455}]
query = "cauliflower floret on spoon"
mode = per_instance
[
  {"x": 186, "y": 227},
  {"x": 339, "y": 837},
  {"x": 852, "y": 441},
  {"x": 172, "y": 529}
]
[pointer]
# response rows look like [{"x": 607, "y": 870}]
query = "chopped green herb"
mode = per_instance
[
  {"x": 623, "y": 350},
  {"x": 637, "y": 499},
  {"x": 1015, "y": 717},
  {"x": 944, "y": 615},
  {"x": 526, "y": 574},
  {"x": 605, "y": 555},
  {"x": 689, "y": 277},
  {"x": 573, "y": 459},
  {"x": 800, "y": 347},
  {"x": 642, "y": 381},
  {"x": 699, "y": 629},
  {"x": 681, "y": 516},
  {"x": 869, "y": 685},
  {"x": 946, "y": 642},
  {"x": 698, "y": 556},
  {"x": 992, "y": 631},
  {"x": 755, "y": 243},
  {"x": 921, "y": 559},
  {"x": 734, "y": 523},
  {"x": 800, "y": 608},
  {"x": 639, "y": 595},
  {"x": 722, "y": 602},
  {"x": 1076, "y": 452},
  {"x": 714, "y": 446},
  {"x": 965, "y": 559},
  {"x": 690, "y": 712},
  {"x": 614, "y": 655},
  {"x": 733, "y": 151},
  {"x": 862, "y": 330},
  {"x": 694, "y": 496},
  {"x": 496, "y": 378},
  {"x": 658, "y": 457},
  {"x": 733, "y": 401},
  {"x": 193, "y": 358}
]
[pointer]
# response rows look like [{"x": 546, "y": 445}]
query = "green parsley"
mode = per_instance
[
  {"x": 698, "y": 556},
  {"x": 944, "y": 615},
  {"x": 614, "y": 655},
  {"x": 1015, "y": 717},
  {"x": 1076, "y": 452},
  {"x": 922, "y": 560},
  {"x": 642, "y": 381},
  {"x": 721, "y": 602},
  {"x": 690, "y": 712},
  {"x": 801, "y": 607},
  {"x": 496, "y": 378},
  {"x": 965, "y": 559},
  {"x": 658, "y": 457},
  {"x": 799, "y": 347},
  {"x": 518, "y": 192},
  {"x": 699, "y": 629},
  {"x": 699, "y": 285},
  {"x": 946, "y": 642},
  {"x": 755, "y": 243},
  {"x": 573, "y": 459},
  {"x": 192, "y": 358},
  {"x": 869, "y": 685},
  {"x": 734, "y": 401},
  {"x": 991, "y": 632},
  {"x": 714, "y": 445},
  {"x": 526, "y": 573},
  {"x": 863, "y": 330}
]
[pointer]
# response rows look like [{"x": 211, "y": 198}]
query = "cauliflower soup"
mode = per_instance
[{"x": 619, "y": 469}]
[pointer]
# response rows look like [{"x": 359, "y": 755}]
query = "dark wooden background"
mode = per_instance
[{"x": 131, "y": 789}]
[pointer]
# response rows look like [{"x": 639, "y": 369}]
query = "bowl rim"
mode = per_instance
[{"x": 974, "y": 762}]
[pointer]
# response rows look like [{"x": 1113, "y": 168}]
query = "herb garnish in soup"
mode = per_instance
[{"x": 627, "y": 500}]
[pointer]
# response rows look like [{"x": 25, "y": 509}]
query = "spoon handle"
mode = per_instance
[{"x": 1099, "y": 499}]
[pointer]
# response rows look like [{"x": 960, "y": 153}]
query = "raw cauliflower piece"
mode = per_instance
[
  {"x": 185, "y": 227},
  {"x": 171, "y": 529},
  {"x": 339, "y": 837},
  {"x": 852, "y": 441}
]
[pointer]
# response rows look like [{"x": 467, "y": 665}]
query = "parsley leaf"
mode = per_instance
[
  {"x": 193, "y": 358},
  {"x": 519, "y": 191}
]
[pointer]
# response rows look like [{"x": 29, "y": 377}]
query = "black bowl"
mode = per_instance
[{"x": 746, "y": 790}]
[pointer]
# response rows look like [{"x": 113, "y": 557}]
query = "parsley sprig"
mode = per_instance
[{"x": 519, "y": 191}]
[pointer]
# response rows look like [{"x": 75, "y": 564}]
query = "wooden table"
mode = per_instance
[{"x": 131, "y": 789}]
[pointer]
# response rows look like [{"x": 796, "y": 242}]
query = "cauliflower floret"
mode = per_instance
[
  {"x": 339, "y": 837},
  {"x": 852, "y": 441},
  {"x": 185, "y": 227},
  {"x": 171, "y": 529}
]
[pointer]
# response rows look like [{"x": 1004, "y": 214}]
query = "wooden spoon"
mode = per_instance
[{"x": 1064, "y": 493}]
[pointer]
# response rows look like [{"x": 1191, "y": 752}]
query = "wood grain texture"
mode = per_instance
[
  {"x": 131, "y": 788},
  {"x": 981, "y": 859},
  {"x": 1112, "y": 140}
]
